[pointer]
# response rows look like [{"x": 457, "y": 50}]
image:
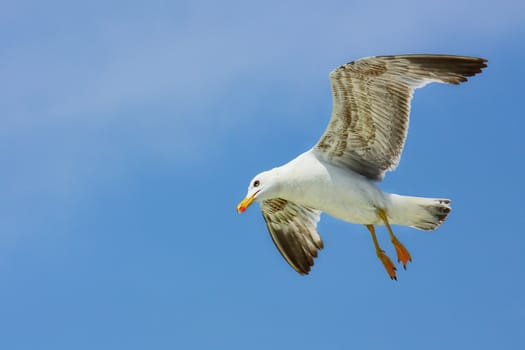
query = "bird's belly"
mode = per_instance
[
  {"x": 351, "y": 198},
  {"x": 354, "y": 213},
  {"x": 356, "y": 209}
]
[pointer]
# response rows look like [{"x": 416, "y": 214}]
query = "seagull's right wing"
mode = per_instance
[{"x": 293, "y": 228}]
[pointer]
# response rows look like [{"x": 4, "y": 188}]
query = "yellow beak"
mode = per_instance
[{"x": 245, "y": 203}]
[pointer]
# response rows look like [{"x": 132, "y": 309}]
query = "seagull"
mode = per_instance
[{"x": 364, "y": 139}]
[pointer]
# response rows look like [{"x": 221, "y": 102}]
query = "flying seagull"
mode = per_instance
[{"x": 363, "y": 140}]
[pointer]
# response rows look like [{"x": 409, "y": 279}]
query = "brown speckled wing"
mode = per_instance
[
  {"x": 293, "y": 229},
  {"x": 371, "y": 107}
]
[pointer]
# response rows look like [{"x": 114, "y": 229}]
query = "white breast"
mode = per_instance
[{"x": 336, "y": 191}]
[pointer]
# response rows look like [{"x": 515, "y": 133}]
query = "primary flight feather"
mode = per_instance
[{"x": 363, "y": 140}]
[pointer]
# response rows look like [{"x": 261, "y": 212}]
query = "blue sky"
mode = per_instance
[{"x": 130, "y": 131}]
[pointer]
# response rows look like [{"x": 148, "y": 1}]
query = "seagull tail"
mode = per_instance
[{"x": 421, "y": 213}]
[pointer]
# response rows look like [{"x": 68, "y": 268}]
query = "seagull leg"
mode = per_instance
[
  {"x": 387, "y": 263},
  {"x": 403, "y": 255}
]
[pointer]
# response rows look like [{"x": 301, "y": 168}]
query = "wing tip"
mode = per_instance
[
  {"x": 449, "y": 69},
  {"x": 303, "y": 272}
]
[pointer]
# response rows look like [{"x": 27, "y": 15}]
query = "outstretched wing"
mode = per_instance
[
  {"x": 371, "y": 106},
  {"x": 293, "y": 229}
]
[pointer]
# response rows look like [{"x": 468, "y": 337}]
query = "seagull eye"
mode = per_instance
[{"x": 256, "y": 183}]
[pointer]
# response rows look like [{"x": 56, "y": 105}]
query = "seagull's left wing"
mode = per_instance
[
  {"x": 293, "y": 228},
  {"x": 371, "y": 106}
]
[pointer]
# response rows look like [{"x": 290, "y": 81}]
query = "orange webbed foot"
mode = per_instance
[
  {"x": 403, "y": 255},
  {"x": 388, "y": 264}
]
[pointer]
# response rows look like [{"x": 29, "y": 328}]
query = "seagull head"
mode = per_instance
[{"x": 262, "y": 186}]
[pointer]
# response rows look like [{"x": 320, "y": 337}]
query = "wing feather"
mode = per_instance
[
  {"x": 293, "y": 229},
  {"x": 371, "y": 107}
]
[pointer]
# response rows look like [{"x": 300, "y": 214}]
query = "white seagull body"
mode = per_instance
[
  {"x": 364, "y": 139},
  {"x": 340, "y": 192}
]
